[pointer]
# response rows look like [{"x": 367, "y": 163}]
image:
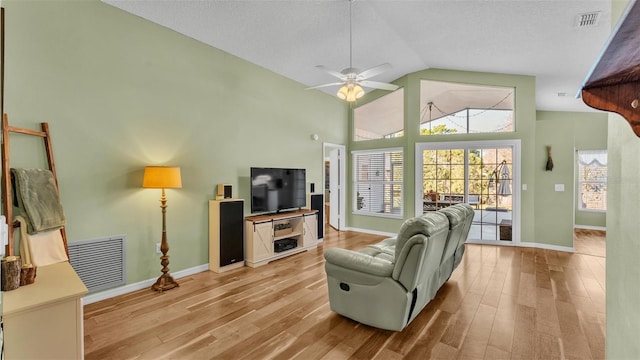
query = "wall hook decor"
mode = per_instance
[{"x": 549, "y": 166}]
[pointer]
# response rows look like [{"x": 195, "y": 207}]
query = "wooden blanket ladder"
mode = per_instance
[{"x": 7, "y": 195}]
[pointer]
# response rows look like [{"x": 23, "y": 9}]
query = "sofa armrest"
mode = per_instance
[{"x": 360, "y": 262}]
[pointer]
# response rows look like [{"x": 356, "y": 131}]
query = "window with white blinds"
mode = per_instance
[
  {"x": 378, "y": 182},
  {"x": 592, "y": 180}
]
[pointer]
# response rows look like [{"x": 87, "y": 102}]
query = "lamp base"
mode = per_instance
[{"x": 164, "y": 282}]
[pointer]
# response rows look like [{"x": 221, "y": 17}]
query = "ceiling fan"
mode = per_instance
[{"x": 352, "y": 79}]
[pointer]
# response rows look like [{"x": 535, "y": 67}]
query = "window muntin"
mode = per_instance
[
  {"x": 378, "y": 182},
  {"x": 448, "y": 108},
  {"x": 592, "y": 180},
  {"x": 489, "y": 186},
  {"x": 483, "y": 174},
  {"x": 380, "y": 118}
]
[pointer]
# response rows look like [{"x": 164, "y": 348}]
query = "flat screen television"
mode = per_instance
[{"x": 277, "y": 189}]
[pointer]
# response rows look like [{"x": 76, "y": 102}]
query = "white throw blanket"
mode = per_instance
[{"x": 40, "y": 249}]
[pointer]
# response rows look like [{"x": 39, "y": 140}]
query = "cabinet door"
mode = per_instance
[
  {"x": 310, "y": 236},
  {"x": 262, "y": 241},
  {"x": 231, "y": 232}
]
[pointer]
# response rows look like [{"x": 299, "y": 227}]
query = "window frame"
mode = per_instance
[
  {"x": 468, "y": 107},
  {"x": 392, "y": 135},
  {"x": 388, "y": 185},
  {"x": 515, "y": 144},
  {"x": 580, "y": 182}
]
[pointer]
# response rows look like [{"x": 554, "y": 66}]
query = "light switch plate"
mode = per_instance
[
  {"x": 559, "y": 187},
  {"x": 524, "y": 187}
]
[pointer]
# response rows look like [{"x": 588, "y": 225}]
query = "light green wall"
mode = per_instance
[
  {"x": 121, "y": 93},
  {"x": 565, "y": 132},
  {"x": 623, "y": 227},
  {"x": 554, "y": 210},
  {"x": 623, "y": 243},
  {"x": 525, "y": 131}
]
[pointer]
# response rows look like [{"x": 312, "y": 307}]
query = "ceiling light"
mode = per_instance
[{"x": 350, "y": 92}]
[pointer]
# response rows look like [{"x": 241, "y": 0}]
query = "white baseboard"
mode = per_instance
[
  {"x": 503, "y": 243},
  {"x": 548, "y": 247},
  {"x": 589, "y": 227},
  {"x": 107, "y": 294},
  {"x": 372, "y": 232},
  {"x": 521, "y": 244}
]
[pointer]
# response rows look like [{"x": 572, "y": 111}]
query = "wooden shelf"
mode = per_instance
[
  {"x": 614, "y": 82},
  {"x": 289, "y": 235}
]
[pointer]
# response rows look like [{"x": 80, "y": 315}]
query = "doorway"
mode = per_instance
[
  {"x": 483, "y": 174},
  {"x": 334, "y": 164}
]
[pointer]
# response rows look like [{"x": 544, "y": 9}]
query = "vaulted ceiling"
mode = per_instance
[{"x": 540, "y": 38}]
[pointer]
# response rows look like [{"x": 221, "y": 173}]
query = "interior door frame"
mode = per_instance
[
  {"x": 516, "y": 178},
  {"x": 341, "y": 206}
]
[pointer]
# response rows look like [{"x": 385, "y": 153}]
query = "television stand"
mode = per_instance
[{"x": 274, "y": 236}]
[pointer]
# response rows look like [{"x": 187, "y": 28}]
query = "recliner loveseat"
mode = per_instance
[{"x": 387, "y": 284}]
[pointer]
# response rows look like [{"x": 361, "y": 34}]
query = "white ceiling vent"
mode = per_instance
[{"x": 587, "y": 19}]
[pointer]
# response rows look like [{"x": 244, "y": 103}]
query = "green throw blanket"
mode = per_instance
[{"x": 37, "y": 199}]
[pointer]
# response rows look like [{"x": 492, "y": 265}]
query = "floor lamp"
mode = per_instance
[{"x": 163, "y": 177}]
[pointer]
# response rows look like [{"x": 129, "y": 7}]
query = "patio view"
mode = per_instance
[{"x": 481, "y": 177}]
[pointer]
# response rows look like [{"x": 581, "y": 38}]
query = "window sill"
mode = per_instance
[
  {"x": 383, "y": 215},
  {"x": 593, "y": 211}
]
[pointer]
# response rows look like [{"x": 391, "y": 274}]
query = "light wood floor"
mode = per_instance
[
  {"x": 500, "y": 303},
  {"x": 590, "y": 242}
]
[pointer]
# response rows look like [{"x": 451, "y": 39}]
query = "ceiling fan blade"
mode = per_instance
[
  {"x": 378, "y": 85},
  {"x": 325, "y": 85},
  {"x": 373, "y": 71},
  {"x": 337, "y": 74}
]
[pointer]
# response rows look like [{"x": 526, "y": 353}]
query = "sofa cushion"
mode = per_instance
[
  {"x": 378, "y": 253},
  {"x": 387, "y": 246},
  {"x": 455, "y": 214},
  {"x": 419, "y": 249},
  {"x": 358, "y": 261},
  {"x": 427, "y": 224},
  {"x": 457, "y": 217}
]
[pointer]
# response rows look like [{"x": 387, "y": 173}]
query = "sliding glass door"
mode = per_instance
[{"x": 482, "y": 174}]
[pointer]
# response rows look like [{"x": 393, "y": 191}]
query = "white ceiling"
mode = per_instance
[{"x": 527, "y": 37}]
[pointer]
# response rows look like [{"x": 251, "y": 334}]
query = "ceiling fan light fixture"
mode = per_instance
[
  {"x": 350, "y": 92},
  {"x": 353, "y": 79}
]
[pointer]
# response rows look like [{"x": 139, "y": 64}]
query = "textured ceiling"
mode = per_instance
[{"x": 537, "y": 38}]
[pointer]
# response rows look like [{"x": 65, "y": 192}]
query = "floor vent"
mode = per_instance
[{"x": 100, "y": 263}]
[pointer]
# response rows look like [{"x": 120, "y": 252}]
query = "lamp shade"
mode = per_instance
[{"x": 161, "y": 177}]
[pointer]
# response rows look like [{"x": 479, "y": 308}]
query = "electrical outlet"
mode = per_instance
[{"x": 158, "y": 248}]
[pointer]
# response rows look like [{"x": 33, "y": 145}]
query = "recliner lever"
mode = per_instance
[{"x": 344, "y": 287}]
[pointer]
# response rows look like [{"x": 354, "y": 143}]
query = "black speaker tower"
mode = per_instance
[{"x": 317, "y": 203}]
